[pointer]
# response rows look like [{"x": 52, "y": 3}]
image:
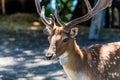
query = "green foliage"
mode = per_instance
[
  {"x": 49, "y": 11},
  {"x": 65, "y": 9},
  {"x": 64, "y": 1}
]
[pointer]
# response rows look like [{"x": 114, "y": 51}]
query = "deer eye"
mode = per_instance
[{"x": 65, "y": 40}]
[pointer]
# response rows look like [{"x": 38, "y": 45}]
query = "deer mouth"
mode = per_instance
[{"x": 51, "y": 56}]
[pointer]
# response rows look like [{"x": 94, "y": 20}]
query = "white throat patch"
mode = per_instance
[{"x": 64, "y": 59}]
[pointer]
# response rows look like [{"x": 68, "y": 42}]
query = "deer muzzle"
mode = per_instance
[
  {"x": 50, "y": 56},
  {"x": 51, "y": 53}
]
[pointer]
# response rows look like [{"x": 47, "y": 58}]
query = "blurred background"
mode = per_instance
[
  {"x": 23, "y": 44},
  {"x": 68, "y": 10}
]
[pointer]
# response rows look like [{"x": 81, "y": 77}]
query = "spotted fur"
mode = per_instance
[{"x": 96, "y": 62}]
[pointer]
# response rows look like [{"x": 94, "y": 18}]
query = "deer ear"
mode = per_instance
[
  {"x": 73, "y": 32},
  {"x": 47, "y": 30}
]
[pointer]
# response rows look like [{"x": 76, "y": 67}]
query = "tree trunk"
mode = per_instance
[
  {"x": 3, "y": 7},
  {"x": 116, "y": 18},
  {"x": 97, "y": 23}
]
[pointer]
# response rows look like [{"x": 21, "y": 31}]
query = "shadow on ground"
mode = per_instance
[{"x": 22, "y": 57}]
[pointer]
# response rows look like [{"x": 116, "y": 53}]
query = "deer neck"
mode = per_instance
[
  {"x": 74, "y": 64},
  {"x": 72, "y": 52}
]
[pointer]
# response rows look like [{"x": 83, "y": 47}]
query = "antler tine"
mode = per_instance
[
  {"x": 83, "y": 18},
  {"x": 38, "y": 8},
  {"x": 60, "y": 22},
  {"x": 88, "y": 7},
  {"x": 47, "y": 21},
  {"x": 42, "y": 16},
  {"x": 101, "y": 4},
  {"x": 105, "y": 3},
  {"x": 52, "y": 20}
]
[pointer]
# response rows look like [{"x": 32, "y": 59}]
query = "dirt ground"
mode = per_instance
[
  {"x": 22, "y": 53},
  {"x": 22, "y": 58}
]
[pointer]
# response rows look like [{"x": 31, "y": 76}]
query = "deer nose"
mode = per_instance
[{"x": 49, "y": 56}]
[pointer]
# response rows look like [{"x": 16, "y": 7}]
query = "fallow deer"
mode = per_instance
[{"x": 97, "y": 62}]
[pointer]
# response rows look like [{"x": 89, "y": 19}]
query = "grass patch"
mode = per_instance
[
  {"x": 19, "y": 21},
  {"x": 30, "y": 24}
]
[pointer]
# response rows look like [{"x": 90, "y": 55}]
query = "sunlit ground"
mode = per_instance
[
  {"x": 22, "y": 58},
  {"x": 23, "y": 44}
]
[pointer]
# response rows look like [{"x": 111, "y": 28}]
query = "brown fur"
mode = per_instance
[
  {"x": 97, "y": 62},
  {"x": 93, "y": 63}
]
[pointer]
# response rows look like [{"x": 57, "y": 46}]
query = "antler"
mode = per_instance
[
  {"x": 71, "y": 23},
  {"x": 83, "y": 18},
  {"x": 100, "y": 5},
  {"x": 49, "y": 22},
  {"x": 60, "y": 22}
]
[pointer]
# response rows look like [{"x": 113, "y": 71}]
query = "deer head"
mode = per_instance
[{"x": 61, "y": 38}]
